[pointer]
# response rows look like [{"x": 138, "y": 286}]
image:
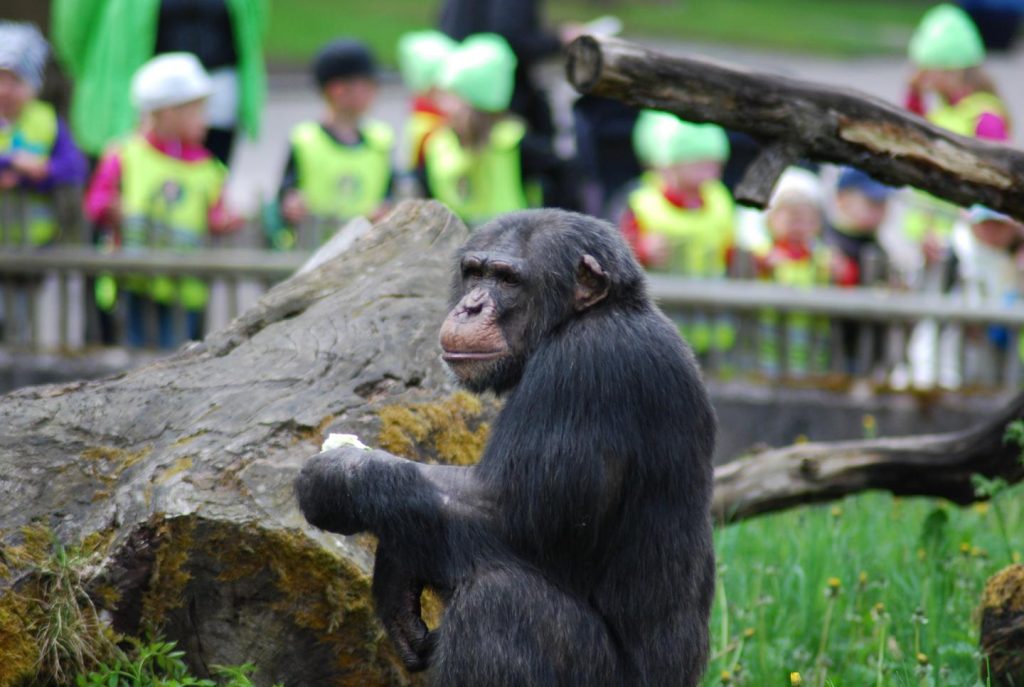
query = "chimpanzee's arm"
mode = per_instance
[
  {"x": 349, "y": 490},
  {"x": 418, "y": 511}
]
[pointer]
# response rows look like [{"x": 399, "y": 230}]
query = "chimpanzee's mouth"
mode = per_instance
[{"x": 459, "y": 356}]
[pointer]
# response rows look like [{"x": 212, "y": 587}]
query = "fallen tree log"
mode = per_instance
[
  {"x": 939, "y": 465},
  {"x": 796, "y": 119}
]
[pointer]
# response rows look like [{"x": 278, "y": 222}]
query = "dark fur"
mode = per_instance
[{"x": 579, "y": 550}]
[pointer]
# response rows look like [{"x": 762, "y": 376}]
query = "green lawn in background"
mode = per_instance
[{"x": 838, "y": 27}]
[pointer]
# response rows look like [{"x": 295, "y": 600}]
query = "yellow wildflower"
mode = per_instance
[{"x": 795, "y": 680}]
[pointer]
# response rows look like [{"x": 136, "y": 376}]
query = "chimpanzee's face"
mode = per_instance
[
  {"x": 484, "y": 335},
  {"x": 508, "y": 295}
]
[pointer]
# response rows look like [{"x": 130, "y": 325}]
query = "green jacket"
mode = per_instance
[{"x": 101, "y": 43}]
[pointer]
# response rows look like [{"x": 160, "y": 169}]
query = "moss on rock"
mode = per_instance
[
  {"x": 1004, "y": 592},
  {"x": 450, "y": 430}
]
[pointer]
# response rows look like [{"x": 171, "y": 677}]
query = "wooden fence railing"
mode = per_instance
[{"x": 755, "y": 328}]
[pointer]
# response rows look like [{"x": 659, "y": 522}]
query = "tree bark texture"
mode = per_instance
[{"x": 795, "y": 119}]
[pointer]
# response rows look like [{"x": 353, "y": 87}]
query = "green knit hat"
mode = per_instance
[
  {"x": 946, "y": 38},
  {"x": 421, "y": 54},
  {"x": 481, "y": 71},
  {"x": 661, "y": 139}
]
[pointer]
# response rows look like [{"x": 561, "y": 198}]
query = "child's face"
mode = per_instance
[
  {"x": 996, "y": 233},
  {"x": 690, "y": 175},
  {"x": 947, "y": 82},
  {"x": 860, "y": 213},
  {"x": 14, "y": 94},
  {"x": 186, "y": 122},
  {"x": 795, "y": 220},
  {"x": 451, "y": 105},
  {"x": 351, "y": 97}
]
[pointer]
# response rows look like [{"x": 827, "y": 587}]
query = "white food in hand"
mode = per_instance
[{"x": 338, "y": 440}]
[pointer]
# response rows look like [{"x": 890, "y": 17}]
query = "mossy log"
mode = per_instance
[
  {"x": 1002, "y": 628},
  {"x": 178, "y": 475}
]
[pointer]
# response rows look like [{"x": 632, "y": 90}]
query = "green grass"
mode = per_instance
[
  {"x": 841, "y": 27},
  {"x": 924, "y": 560}
]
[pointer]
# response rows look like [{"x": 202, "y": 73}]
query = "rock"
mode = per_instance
[{"x": 177, "y": 476}]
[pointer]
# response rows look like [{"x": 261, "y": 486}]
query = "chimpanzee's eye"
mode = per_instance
[
  {"x": 509, "y": 278},
  {"x": 472, "y": 271}
]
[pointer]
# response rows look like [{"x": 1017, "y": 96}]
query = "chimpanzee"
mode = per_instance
[{"x": 578, "y": 551}]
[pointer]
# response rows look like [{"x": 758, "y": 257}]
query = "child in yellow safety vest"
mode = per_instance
[
  {"x": 474, "y": 163},
  {"x": 37, "y": 152},
  {"x": 339, "y": 167},
  {"x": 950, "y": 88},
  {"x": 681, "y": 217},
  {"x": 421, "y": 56},
  {"x": 796, "y": 257},
  {"x": 160, "y": 188}
]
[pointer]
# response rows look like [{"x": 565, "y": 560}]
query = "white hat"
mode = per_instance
[
  {"x": 174, "y": 78},
  {"x": 23, "y": 50},
  {"x": 798, "y": 184}
]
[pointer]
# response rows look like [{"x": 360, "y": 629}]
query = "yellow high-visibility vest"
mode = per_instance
[
  {"x": 699, "y": 238},
  {"x": 166, "y": 204},
  {"x": 339, "y": 181},
  {"x": 478, "y": 184},
  {"x": 35, "y": 131}
]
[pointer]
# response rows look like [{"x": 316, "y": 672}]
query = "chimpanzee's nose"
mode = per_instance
[{"x": 474, "y": 302}]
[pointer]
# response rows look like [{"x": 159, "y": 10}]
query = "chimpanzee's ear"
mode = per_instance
[{"x": 591, "y": 283}]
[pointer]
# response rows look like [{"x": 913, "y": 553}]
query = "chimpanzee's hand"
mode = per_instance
[
  {"x": 327, "y": 489},
  {"x": 396, "y": 595}
]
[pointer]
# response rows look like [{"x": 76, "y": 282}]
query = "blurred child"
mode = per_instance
[
  {"x": 681, "y": 217},
  {"x": 339, "y": 167},
  {"x": 474, "y": 163},
  {"x": 950, "y": 88},
  {"x": 853, "y": 221},
  {"x": 160, "y": 188},
  {"x": 37, "y": 153},
  {"x": 796, "y": 257},
  {"x": 986, "y": 245},
  {"x": 421, "y": 55},
  {"x": 858, "y": 210}
]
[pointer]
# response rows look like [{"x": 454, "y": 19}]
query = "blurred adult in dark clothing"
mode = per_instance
[
  {"x": 604, "y": 146},
  {"x": 203, "y": 28}
]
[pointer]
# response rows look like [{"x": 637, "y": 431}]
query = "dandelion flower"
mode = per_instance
[{"x": 795, "y": 680}]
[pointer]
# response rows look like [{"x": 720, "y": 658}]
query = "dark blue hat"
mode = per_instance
[
  {"x": 344, "y": 58},
  {"x": 853, "y": 179}
]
